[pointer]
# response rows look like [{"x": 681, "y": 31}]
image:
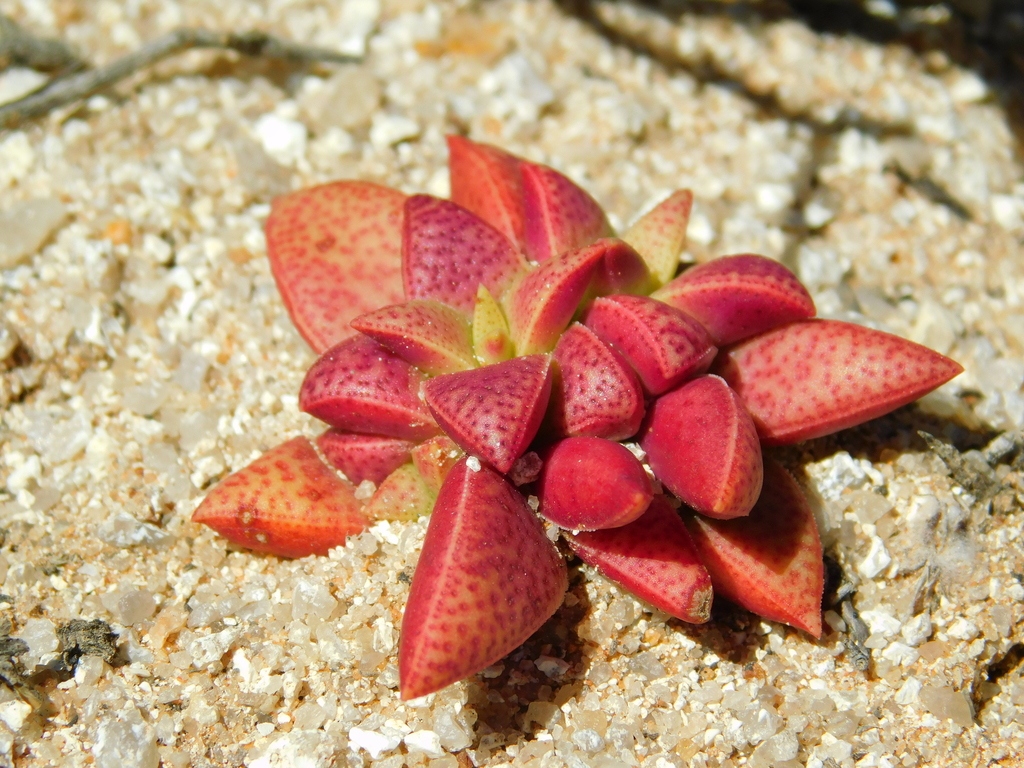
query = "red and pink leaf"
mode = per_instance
[
  {"x": 434, "y": 459},
  {"x": 659, "y": 236},
  {"x": 402, "y": 496},
  {"x": 336, "y": 252},
  {"x": 814, "y": 377},
  {"x": 596, "y": 392},
  {"x": 448, "y": 251},
  {"x": 287, "y": 502},
  {"x": 560, "y": 216},
  {"x": 363, "y": 457},
  {"x": 701, "y": 443},
  {"x": 360, "y": 386},
  {"x": 427, "y": 334},
  {"x": 571, "y": 495},
  {"x": 739, "y": 296},
  {"x": 770, "y": 561},
  {"x": 664, "y": 346},
  {"x": 487, "y": 181},
  {"x": 487, "y": 579},
  {"x": 654, "y": 558},
  {"x": 493, "y": 412}
]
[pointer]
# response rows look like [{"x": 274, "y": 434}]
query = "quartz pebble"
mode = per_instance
[{"x": 25, "y": 226}]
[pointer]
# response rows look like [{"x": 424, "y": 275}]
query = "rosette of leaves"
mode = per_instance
[{"x": 504, "y": 344}]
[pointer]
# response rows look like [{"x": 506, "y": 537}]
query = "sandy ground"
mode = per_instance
[{"x": 144, "y": 355}]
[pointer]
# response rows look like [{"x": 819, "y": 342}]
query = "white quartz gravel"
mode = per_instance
[{"x": 145, "y": 354}]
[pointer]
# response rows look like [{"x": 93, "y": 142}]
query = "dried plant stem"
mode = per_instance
[{"x": 71, "y": 88}]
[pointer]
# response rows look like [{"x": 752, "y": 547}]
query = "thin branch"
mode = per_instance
[
  {"x": 19, "y": 47},
  {"x": 65, "y": 90}
]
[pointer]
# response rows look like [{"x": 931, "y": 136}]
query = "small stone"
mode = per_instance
[
  {"x": 876, "y": 561},
  {"x": 191, "y": 371},
  {"x": 392, "y": 129},
  {"x": 918, "y": 629},
  {"x": 14, "y": 713},
  {"x": 136, "y": 606},
  {"x": 282, "y": 139},
  {"x": 25, "y": 226},
  {"x": 946, "y": 703},
  {"x": 588, "y": 740},
  {"x": 87, "y": 638},
  {"x": 373, "y": 742},
  {"x": 297, "y": 749},
  {"x": 122, "y": 530},
  {"x": 347, "y": 100},
  {"x": 425, "y": 741},
  {"x": 123, "y": 744}
]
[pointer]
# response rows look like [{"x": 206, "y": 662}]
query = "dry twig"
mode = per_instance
[{"x": 74, "y": 87}]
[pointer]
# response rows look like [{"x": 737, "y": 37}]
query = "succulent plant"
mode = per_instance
[{"x": 501, "y": 359}]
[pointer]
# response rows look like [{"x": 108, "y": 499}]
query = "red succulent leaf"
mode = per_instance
[
  {"x": 336, "y": 252},
  {"x": 701, "y": 443},
  {"x": 363, "y": 457},
  {"x": 487, "y": 579},
  {"x": 622, "y": 269},
  {"x": 664, "y": 346},
  {"x": 814, "y": 377},
  {"x": 402, "y": 496},
  {"x": 571, "y": 498},
  {"x": 434, "y": 459},
  {"x": 559, "y": 215},
  {"x": 597, "y": 393},
  {"x": 493, "y": 412},
  {"x": 360, "y": 386},
  {"x": 654, "y": 558},
  {"x": 738, "y": 296},
  {"x": 660, "y": 234},
  {"x": 542, "y": 304},
  {"x": 770, "y": 561},
  {"x": 427, "y": 334},
  {"x": 448, "y": 251},
  {"x": 287, "y": 502},
  {"x": 487, "y": 181}
]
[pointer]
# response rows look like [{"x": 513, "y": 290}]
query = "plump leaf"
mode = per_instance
[
  {"x": 493, "y": 412},
  {"x": 770, "y": 561},
  {"x": 427, "y": 334},
  {"x": 487, "y": 579},
  {"x": 572, "y": 497},
  {"x": 664, "y": 346},
  {"x": 336, "y": 252},
  {"x": 654, "y": 558},
  {"x": 596, "y": 392},
  {"x": 739, "y": 296},
  {"x": 447, "y": 252},
  {"x": 660, "y": 234},
  {"x": 701, "y": 443},
  {"x": 403, "y": 495},
  {"x": 287, "y": 502},
  {"x": 492, "y": 340},
  {"x": 560, "y": 216},
  {"x": 814, "y": 377},
  {"x": 363, "y": 457},
  {"x": 487, "y": 181},
  {"x": 434, "y": 459},
  {"x": 360, "y": 386}
]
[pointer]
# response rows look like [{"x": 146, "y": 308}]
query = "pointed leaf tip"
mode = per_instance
[
  {"x": 487, "y": 579},
  {"x": 487, "y": 181},
  {"x": 287, "y": 503},
  {"x": 560, "y": 216},
  {"x": 335, "y": 252},
  {"x": 769, "y": 562},
  {"x": 660, "y": 234},
  {"x": 815, "y": 377},
  {"x": 493, "y": 412},
  {"x": 427, "y": 334}
]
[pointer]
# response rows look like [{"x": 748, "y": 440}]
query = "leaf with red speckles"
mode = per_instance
[
  {"x": 571, "y": 496},
  {"x": 287, "y": 502},
  {"x": 654, "y": 558},
  {"x": 770, "y": 561},
  {"x": 335, "y": 251},
  {"x": 448, "y": 251},
  {"x": 560, "y": 216},
  {"x": 702, "y": 444},
  {"x": 596, "y": 392},
  {"x": 542, "y": 304},
  {"x": 738, "y": 296},
  {"x": 660, "y": 234},
  {"x": 493, "y": 412},
  {"x": 622, "y": 270},
  {"x": 427, "y": 334},
  {"x": 434, "y": 459},
  {"x": 487, "y": 181},
  {"x": 487, "y": 579},
  {"x": 360, "y": 386},
  {"x": 814, "y": 377},
  {"x": 363, "y": 457},
  {"x": 664, "y": 346},
  {"x": 403, "y": 495}
]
